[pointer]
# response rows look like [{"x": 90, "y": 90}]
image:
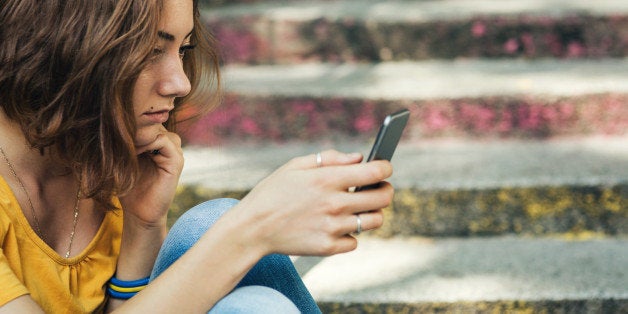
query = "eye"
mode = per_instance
[
  {"x": 156, "y": 53},
  {"x": 183, "y": 49}
]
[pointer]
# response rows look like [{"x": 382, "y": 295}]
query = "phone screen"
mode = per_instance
[{"x": 387, "y": 138}]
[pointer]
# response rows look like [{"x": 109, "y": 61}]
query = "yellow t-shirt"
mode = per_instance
[{"x": 58, "y": 285}]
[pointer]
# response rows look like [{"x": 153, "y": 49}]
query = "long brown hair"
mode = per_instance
[{"x": 67, "y": 73}]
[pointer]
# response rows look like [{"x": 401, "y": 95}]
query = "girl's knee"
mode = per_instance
[
  {"x": 198, "y": 219},
  {"x": 205, "y": 214},
  {"x": 255, "y": 299},
  {"x": 188, "y": 229}
]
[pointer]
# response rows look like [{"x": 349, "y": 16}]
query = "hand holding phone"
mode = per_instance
[{"x": 387, "y": 139}]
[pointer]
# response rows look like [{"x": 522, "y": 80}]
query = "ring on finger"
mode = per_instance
[
  {"x": 319, "y": 160},
  {"x": 358, "y": 229}
]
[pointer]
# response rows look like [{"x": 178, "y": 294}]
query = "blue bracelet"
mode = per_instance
[
  {"x": 129, "y": 284},
  {"x": 115, "y": 282},
  {"x": 120, "y": 295}
]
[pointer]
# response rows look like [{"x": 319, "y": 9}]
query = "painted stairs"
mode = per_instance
[{"x": 512, "y": 177}]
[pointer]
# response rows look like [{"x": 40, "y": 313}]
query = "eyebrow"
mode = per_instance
[{"x": 169, "y": 37}]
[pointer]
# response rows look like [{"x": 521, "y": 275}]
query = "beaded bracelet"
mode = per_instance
[{"x": 124, "y": 290}]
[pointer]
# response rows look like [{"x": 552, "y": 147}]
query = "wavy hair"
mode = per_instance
[{"x": 67, "y": 73}]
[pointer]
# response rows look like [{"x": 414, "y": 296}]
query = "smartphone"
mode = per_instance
[{"x": 387, "y": 139}]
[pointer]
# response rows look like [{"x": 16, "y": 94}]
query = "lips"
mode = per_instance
[{"x": 160, "y": 116}]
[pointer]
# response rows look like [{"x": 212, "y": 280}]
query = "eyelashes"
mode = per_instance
[{"x": 182, "y": 51}]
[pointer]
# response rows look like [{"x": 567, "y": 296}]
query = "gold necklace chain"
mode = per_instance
[{"x": 37, "y": 226}]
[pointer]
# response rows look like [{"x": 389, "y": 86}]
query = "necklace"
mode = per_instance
[{"x": 37, "y": 227}]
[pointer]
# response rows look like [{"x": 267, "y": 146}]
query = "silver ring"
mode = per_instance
[
  {"x": 319, "y": 160},
  {"x": 358, "y": 230}
]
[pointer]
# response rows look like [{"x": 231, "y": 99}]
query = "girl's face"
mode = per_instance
[{"x": 163, "y": 79}]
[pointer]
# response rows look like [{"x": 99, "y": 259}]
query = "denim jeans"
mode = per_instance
[{"x": 271, "y": 286}]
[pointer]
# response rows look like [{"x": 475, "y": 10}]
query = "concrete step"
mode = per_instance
[
  {"x": 475, "y": 98},
  {"x": 379, "y": 30},
  {"x": 455, "y": 187},
  {"x": 504, "y": 274}
]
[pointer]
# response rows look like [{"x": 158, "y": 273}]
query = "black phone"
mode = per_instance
[{"x": 387, "y": 139}]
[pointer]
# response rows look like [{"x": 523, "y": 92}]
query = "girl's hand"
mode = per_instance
[
  {"x": 146, "y": 206},
  {"x": 302, "y": 209},
  {"x": 161, "y": 163}
]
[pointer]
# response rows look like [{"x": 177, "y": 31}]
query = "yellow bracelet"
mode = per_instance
[{"x": 126, "y": 290}]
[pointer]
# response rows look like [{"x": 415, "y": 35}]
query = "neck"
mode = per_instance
[{"x": 30, "y": 161}]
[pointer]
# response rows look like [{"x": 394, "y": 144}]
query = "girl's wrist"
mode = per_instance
[
  {"x": 250, "y": 232},
  {"x": 139, "y": 248},
  {"x": 132, "y": 220}
]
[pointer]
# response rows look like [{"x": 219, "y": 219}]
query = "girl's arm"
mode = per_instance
[
  {"x": 146, "y": 206},
  {"x": 297, "y": 210},
  {"x": 24, "y": 304}
]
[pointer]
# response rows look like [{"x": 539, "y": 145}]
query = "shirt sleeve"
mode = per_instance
[{"x": 10, "y": 285}]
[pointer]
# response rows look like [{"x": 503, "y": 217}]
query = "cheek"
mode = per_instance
[{"x": 141, "y": 92}]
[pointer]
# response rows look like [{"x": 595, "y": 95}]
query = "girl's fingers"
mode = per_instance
[
  {"x": 345, "y": 169},
  {"x": 358, "y": 174},
  {"x": 343, "y": 244},
  {"x": 165, "y": 151},
  {"x": 322, "y": 219},
  {"x": 369, "y": 200},
  {"x": 364, "y": 221},
  {"x": 324, "y": 159},
  {"x": 335, "y": 158},
  {"x": 367, "y": 205},
  {"x": 166, "y": 144}
]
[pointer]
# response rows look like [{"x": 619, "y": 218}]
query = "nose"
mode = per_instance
[{"x": 174, "y": 82}]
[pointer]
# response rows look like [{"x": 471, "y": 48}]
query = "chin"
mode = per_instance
[{"x": 147, "y": 135}]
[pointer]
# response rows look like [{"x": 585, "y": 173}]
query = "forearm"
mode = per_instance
[
  {"x": 23, "y": 304},
  {"x": 205, "y": 273},
  {"x": 138, "y": 250}
]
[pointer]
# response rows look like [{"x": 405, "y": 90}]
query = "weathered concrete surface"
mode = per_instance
[
  {"x": 455, "y": 188},
  {"x": 432, "y": 79},
  {"x": 473, "y": 274},
  {"x": 373, "y": 31},
  {"x": 413, "y": 11},
  {"x": 432, "y": 165}
]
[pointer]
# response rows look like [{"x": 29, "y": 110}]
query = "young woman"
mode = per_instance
[{"x": 89, "y": 164}]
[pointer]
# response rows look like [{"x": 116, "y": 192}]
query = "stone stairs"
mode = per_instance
[
  {"x": 511, "y": 178},
  {"x": 375, "y": 30}
]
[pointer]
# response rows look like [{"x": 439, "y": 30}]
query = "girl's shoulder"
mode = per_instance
[{"x": 8, "y": 207}]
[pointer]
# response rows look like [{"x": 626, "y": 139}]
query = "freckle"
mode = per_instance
[{"x": 151, "y": 108}]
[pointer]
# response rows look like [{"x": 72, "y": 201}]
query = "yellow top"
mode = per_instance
[{"x": 58, "y": 285}]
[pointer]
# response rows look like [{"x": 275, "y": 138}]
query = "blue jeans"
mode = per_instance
[{"x": 271, "y": 286}]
